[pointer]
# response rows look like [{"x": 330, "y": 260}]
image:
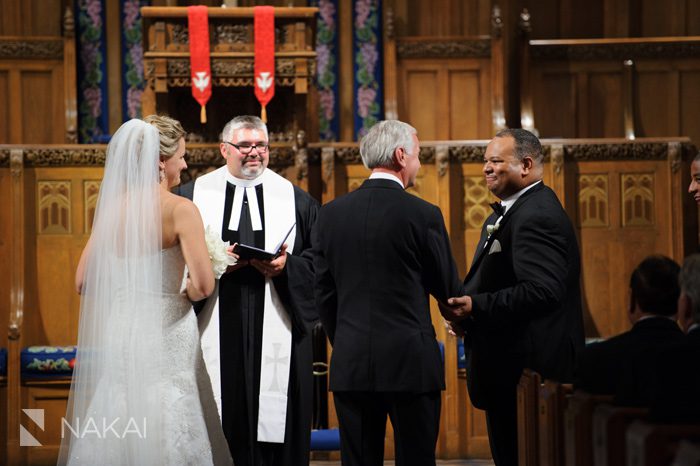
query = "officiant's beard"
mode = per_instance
[{"x": 250, "y": 173}]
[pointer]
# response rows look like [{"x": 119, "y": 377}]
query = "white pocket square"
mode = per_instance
[{"x": 495, "y": 247}]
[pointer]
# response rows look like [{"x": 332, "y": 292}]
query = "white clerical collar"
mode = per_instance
[
  {"x": 243, "y": 182},
  {"x": 510, "y": 200},
  {"x": 386, "y": 176},
  {"x": 247, "y": 187}
]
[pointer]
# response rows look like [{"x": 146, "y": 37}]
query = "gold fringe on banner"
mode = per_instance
[{"x": 203, "y": 114}]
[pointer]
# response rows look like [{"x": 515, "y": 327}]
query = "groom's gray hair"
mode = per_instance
[
  {"x": 377, "y": 147},
  {"x": 243, "y": 122}
]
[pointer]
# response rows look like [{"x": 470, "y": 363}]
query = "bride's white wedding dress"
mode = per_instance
[
  {"x": 190, "y": 424},
  {"x": 191, "y": 419}
]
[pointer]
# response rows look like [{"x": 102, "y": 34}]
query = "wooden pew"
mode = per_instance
[
  {"x": 552, "y": 401},
  {"x": 687, "y": 454},
  {"x": 578, "y": 425},
  {"x": 527, "y": 391},
  {"x": 610, "y": 424},
  {"x": 655, "y": 444}
]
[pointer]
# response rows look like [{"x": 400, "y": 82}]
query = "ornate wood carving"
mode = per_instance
[
  {"x": 355, "y": 182},
  {"x": 593, "y": 200},
  {"x": 16, "y": 162},
  {"x": 54, "y": 209},
  {"x": 89, "y": 156},
  {"x": 301, "y": 159},
  {"x": 674, "y": 156},
  {"x": 476, "y": 202},
  {"x": 91, "y": 190},
  {"x": 427, "y": 154},
  {"x": 389, "y": 29},
  {"x": 179, "y": 34},
  {"x": 327, "y": 159},
  {"x": 4, "y": 158},
  {"x": 524, "y": 22},
  {"x": 462, "y": 154},
  {"x": 556, "y": 157},
  {"x": 615, "y": 51},
  {"x": 636, "y": 151},
  {"x": 31, "y": 49},
  {"x": 442, "y": 160},
  {"x": 496, "y": 22},
  {"x": 476, "y": 48},
  {"x": 348, "y": 155},
  {"x": 637, "y": 199},
  {"x": 68, "y": 23},
  {"x": 231, "y": 34}
]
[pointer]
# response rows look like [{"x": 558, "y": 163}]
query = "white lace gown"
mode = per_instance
[
  {"x": 191, "y": 420},
  {"x": 192, "y": 432}
]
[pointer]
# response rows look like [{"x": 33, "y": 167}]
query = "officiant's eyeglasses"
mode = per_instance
[{"x": 246, "y": 149}]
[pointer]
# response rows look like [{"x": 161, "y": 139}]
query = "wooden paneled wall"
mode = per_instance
[
  {"x": 37, "y": 72},
  {"x": 613, "y": 88}
]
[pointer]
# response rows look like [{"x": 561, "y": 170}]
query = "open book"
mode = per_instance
[{"x": 246, "y": 252}]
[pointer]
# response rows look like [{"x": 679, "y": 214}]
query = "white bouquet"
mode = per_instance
[{"x": 220, "y": 260}]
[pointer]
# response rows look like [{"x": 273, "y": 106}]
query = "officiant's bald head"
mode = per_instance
[{"x": 244, "y": 145}]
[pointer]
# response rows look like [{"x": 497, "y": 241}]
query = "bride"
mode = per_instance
[{"x": 140, "y": 393}]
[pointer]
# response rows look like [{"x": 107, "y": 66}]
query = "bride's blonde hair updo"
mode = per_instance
[{"x": 170, "y": 131}]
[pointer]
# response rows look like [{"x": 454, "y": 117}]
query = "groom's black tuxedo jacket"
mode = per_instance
[
  {"x": 378, "y": 252},
  {"x": 524, "y": 285}
]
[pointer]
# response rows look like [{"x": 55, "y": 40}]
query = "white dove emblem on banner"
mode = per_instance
[
  {"x": 201, "y": 81},
  {"x": 264, "y": 81}
]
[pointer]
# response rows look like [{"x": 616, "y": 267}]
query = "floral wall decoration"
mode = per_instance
[
  {"x": 367, "y": 50},
  {"x": 132, "y": 58},
  {"x": 92, "y": 71},
  {"x": 327, "y": 68}
]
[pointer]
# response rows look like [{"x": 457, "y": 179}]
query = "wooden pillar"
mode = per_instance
[
  {"x": 390, "y": 71},
  {"x": 17, "y": 269},
  {"x": 449, "y": 438},
  {"x": 70, "y": 80}
]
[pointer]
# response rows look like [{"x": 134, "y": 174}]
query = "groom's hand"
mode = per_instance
[
  {"x": 456, "y": 309},
  {"x": 274, "y": 267}
]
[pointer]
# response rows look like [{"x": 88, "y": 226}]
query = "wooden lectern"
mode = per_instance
[{"x": 167, "y": 70}]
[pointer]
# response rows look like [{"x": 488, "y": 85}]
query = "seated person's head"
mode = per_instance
[
  {"x": 689, "y": 301},
  {"x": 654, "y": 288}
]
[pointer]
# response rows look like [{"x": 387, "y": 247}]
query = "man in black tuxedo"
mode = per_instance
[
  {"x": 624, "y": 366},
  {"x": 378, "y": 252},
  {"x": 677, "y": 389},
  {"x": 522, "y": 299}
]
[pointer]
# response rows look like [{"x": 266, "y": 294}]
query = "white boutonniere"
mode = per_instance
[
  {"x": 216, "y": 247},
  {"x": 491, "y": 229}
]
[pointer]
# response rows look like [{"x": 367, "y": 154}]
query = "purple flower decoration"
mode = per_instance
[{"x": 365, "y": 98}]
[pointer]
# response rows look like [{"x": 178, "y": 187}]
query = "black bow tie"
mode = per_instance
[{"x": 498, "y": 208}]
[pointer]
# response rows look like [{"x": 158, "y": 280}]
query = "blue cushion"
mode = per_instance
[
  {"x": 325, "y": 439},
  {"x": 3, "y": 362},
  {"x": 47, "y": 361},
  {"x": 461, "y": 357}
]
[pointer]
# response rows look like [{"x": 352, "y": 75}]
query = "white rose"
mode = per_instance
[{"x": 220, "y": 260}]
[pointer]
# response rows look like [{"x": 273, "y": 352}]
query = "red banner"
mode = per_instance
[
  {"x": 264, "y": 26},
  {"x": 200, "y": 69}
]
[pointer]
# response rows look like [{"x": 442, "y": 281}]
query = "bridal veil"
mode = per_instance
[{"x": 115, "y": 407}]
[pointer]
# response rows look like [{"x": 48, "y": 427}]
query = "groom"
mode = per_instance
[
  {"x": 522, "y": 299},
  {"x": 256, "y": 326}
]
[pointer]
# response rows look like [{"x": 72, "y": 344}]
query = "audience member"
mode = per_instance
[{"x": 623, "y": 366}]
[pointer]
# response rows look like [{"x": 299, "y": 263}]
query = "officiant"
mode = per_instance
[{"x": 256, "y": 327}]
